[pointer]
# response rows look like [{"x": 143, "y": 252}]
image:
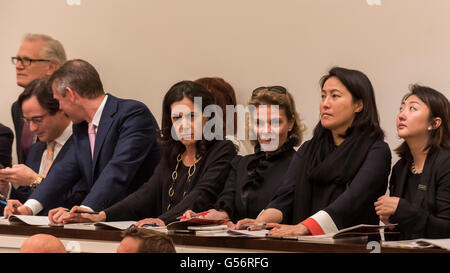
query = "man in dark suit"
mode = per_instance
[
  {"x": 54, "y": 129},
  {"x": 114, "y": 143},
  {"x": 6, "y": 141},
  {"x": 38, "y": 57}
]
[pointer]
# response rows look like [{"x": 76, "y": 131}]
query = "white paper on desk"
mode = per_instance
[
  {"x": 162, "y": 229},
  {"x": 121, "y": 225},
  {"x": 442, "y": 243},
  {"x": 249, "y": 233},
  {"x": 30, "y": 220},
  {"x": 419, "y": 243}
]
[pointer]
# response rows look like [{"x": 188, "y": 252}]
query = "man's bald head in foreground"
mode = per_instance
[{"x": 42, "y": 243}]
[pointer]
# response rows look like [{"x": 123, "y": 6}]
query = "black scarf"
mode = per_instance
[
  {"x": 259, "y": 164},
  {"x": 325, "y": 170}
]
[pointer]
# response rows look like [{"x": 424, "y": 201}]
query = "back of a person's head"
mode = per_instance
[
  {"x": 42, "y": 243},
  {"x": 150, "y": 241},
  {"x": 223, "y": 94},
  {"x": 80, "y": 76}
]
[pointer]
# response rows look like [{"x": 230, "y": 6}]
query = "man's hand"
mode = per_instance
[
  {"x": 15, "y": 207},
  {"x": 18, "y": 175}
]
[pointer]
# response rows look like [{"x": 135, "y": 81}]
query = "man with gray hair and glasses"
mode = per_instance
[{"x": 38, "y": 57}]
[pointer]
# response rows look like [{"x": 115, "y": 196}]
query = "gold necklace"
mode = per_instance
[
  {"x": 413, "y": 168},
  {"x": 191, "y": 172}
]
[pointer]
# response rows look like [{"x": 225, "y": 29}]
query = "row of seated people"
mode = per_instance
[{"x": 110, "y": 156}]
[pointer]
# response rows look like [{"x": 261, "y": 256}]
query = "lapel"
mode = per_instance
[
  {"x": 401, "y": 179},
  {"x": 35, "y": 164},
  {"x": 106, "y": 120},
  {"x": 425, "y": 179}
]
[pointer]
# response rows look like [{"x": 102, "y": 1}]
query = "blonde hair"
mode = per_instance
[
  {"x": 52, "y": 50},
  {"x": 287, "y": 103}
]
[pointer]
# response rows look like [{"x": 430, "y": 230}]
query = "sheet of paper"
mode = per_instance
[
  {"x": 249, "y": 233},
  {"x": 30, "y": 220},
  {"x": 122, "y": 225},
  {"x": 442, "y": 243}
]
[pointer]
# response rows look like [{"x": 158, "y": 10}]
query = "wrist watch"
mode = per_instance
[{"x": 36, "y": 182}]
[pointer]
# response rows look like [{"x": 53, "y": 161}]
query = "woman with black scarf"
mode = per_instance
[
  {"x": 254, "y": 179},
  {"x": 335, "y": 177},
  {"x": 420, "y": 180}
]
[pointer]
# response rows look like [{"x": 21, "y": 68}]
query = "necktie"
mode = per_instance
[
  {"x": 91, "y": 132},
  {"x": 49, "y": 157}
]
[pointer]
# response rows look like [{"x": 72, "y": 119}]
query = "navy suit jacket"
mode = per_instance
[
  {"x": 125, "y": 155},
  {"x": 68, "y": 199}
]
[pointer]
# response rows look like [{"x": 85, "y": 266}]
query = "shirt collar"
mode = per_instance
[
  {"x": 98, "y": 114},
  {"x": 62, "y": 139}
]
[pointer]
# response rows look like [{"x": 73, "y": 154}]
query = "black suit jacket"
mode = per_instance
[
  {"x": 70, "y": 198},
  {"x": 428, "y": 215},
  {"x": 6, "y": 141}
]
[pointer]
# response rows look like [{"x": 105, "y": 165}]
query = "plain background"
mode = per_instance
[{"x": 142, "y": 47}]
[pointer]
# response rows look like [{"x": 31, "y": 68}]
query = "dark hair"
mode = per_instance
[
  {"x": 183, "y": 89},
  {"x": 223, "y": 94},
  {"x": 151, "y": 241},
  {"x": 80, "y": 76},
  {"x": 40, "y": 89},
  {"x": 439, "y": 106},
  {"x": 359, "y": 85}
]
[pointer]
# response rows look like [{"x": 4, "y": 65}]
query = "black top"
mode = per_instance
[
  {"x": 411, "y": 186},
  {"x": 252, "y": 182},
  {"x": 152, "y": 199},
  {"x": 355, "y": 205},
  {"x": 427, "y": 213}
]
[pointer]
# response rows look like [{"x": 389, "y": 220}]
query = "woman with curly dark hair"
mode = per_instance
[{"x": 191, "y": 173}]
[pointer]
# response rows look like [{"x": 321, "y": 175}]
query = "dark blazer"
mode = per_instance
[
  {"x": 73, "y": 197},
  {"x": 6, "y": 141},
  {"x": 151, "y": 200},
  {"x": 125, "y": 155},
  {"x": 16, "y": 113},
  {"x": 252, "y": 183},
  {"x": 428, "y": 215}
]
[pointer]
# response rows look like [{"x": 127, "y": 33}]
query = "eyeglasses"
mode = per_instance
[
  {"x": 277, "y": 89},
  {"x": 26, "y": 61},
  {"x": 36, "y": 120}
]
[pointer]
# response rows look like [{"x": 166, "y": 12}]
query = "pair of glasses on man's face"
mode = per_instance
[
  {"x": 277, "y": 89},
  {"x": 36, "y": 120},
  {"x": 26, "y": 61}
]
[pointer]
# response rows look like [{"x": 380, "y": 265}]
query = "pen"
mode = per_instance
[
  {"x": 82, "y": 211},
  {"x": 6, "y": 203},
  {"x": 262, "y": 225}
]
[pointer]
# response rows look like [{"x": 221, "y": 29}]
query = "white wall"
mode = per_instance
[{"x": 142, "y": 47}]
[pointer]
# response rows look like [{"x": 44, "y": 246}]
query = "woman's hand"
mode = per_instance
[
  {"x": 386, "y": 206},
  {"x": 151, "y": 221},
  {"x": 287, "y": 230}
]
